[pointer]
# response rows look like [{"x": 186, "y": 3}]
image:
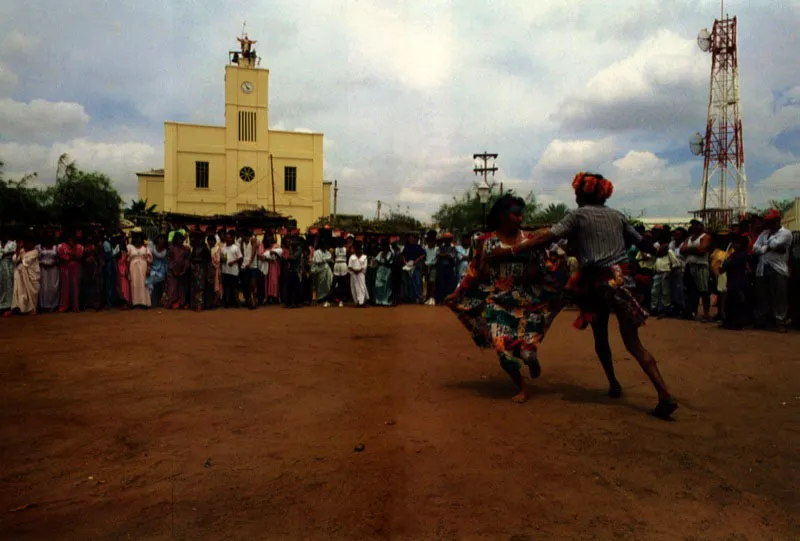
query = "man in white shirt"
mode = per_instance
[
  {"x": 231, "y": 259},
  {"x": 772, "y": 273},
  {"x": 677, "y": 278}
]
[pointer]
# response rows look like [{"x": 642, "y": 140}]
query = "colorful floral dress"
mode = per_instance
[{"x": 508, "y": 304}]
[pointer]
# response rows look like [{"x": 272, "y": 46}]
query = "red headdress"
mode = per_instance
[
  {"x": 772, "y": 214},
  {"x": 593, "y": 184}
]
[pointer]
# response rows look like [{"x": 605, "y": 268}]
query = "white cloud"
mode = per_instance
[
  {"x": 660, "y": 85},
  {"x": 119, "y": 160},
  {"x": 16, "y": 43},
  {"x": 41, "y": 120},
  {"x": 575, "y": 155},
  {"x": 411, "y": 43},
  {"x": 642, "y": 181},
  {"x": 8, "y": 79},
  {"x": 785, "y": 178}
]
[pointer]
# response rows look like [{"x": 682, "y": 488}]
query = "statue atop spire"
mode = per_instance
[{"x": 246, "y": 56}]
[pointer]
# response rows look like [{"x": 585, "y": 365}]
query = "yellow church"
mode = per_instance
[{"x": 243, "y": 164}]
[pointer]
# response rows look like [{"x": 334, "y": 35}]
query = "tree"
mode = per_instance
[
  {"x": 22, "y": 203},
  {"x": 781, "y": 205},
  {"x": 140, "y": 208},
  {"x": 81, "y": 197},
  {"x": 465, "y": 214},
  {"x": 553, "y": 214},
  {"x": 394, "y": 222}
]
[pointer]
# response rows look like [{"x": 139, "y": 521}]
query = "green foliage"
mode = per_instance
[
  {"x": 394, "y": 222},
  {"x": 22, "y": 203},
  {"x": 465, "y": 214},
  {"x": 552, "y": 214},
  {"x": 140, "y": 208},
  {"x": 77, "y": 198},
  {"x": 782, "y": 205}
]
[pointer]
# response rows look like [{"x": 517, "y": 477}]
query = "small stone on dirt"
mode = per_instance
[
  {"x": 208, "y": 463},
  {"x": 389, "y": 423},
  {"x": 360, "y": 447}
]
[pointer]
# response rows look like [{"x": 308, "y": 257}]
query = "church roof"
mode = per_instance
[{"x": 153, "y": 173}]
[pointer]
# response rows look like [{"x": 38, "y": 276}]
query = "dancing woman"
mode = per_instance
[
  {"x": 507, "y": 300},
  {"x": 599, "y": 235}
]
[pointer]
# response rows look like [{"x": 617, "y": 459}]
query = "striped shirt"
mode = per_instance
[{"x": 598, "y": 235}]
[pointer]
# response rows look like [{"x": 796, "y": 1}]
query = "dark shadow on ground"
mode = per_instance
[{"x": 498, "y": 388}]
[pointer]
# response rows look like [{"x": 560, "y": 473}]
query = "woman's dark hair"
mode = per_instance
[
  {"x": 137, "y": 235},
  {"x": 502, "y": 207},
  {"x": 358, "y": 245}
]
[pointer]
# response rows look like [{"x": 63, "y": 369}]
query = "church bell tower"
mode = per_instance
[{"x": 246, "y": 98}]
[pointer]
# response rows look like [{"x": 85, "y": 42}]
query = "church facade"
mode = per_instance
[{"x": 243, "y": 164}]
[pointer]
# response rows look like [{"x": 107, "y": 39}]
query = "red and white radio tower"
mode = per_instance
[{"x": 724, "y": 177}]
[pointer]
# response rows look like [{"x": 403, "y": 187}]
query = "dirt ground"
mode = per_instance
[{"x": 243, "y": 425}]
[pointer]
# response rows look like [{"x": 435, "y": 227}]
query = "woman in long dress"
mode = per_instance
[
  {"x": 383, "y": 275},
  {"x": 214, "y": 277},
  {"x": 26, "y": 279},
  {"x": 199, "y": 261},
  {"x": 109, "y": 274},
  {"x": 508, "y": 303},
  {"x": 157, "y": 278},
  {"x": 123, "y": 279},
  {"x": 413, "y": 257},
  {"x": 70, "y": 254},
  {"x": 321, "y": 271},
  {"x": 49, "y": 289},
  {"x": 273, "y": 253},
  {"x": 8, "y": 248},
  {"x": 92, "y": 274},
  {"x": 445, "y": 269},
  {"x": 139, "y": 260},
  {"x": 358, "y": 278},
  {"x": 599, "y": 236},
  {"x": 178, "y": 276}
]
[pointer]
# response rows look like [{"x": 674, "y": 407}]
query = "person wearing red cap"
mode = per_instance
[
  {"x": 600, "y": 235},
  {"x": 772, "y": 272}
]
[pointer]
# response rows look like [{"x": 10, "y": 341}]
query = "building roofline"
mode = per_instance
[
  {"x": 194, "y": 124},
  {"x": 298, "y": 132}
]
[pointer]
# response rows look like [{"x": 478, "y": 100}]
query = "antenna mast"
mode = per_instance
[{"x": 724, "y": 189}]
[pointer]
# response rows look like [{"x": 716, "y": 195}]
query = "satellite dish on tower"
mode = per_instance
[
  {"x": 696, "y": 144},
  {"x": 704, "y": 40}
]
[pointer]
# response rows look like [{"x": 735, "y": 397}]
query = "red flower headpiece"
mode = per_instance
[{"x": 592, "y": 184}]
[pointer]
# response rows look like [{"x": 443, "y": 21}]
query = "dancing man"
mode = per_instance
[{"x": 599, "y": 236}]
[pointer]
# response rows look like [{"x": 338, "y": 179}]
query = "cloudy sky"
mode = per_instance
[{"x": 406, "y": 92}]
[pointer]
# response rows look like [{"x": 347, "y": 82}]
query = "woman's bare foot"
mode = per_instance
[{"x": 521, "y": 397}]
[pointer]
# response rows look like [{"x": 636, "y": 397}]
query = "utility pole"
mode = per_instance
[
  {"x": 335, "y": 198},
  {"x": 379, "y": 210},
  {"x": 487, "y": 167},
  {"x": 272, "y": 178},
  {"x": 485, "y": 189}
]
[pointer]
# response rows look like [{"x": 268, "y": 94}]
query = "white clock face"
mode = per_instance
[{"x": 247, "y": 87}]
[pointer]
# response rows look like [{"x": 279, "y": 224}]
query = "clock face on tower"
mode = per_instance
[{"x": 247, "y": 87}]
